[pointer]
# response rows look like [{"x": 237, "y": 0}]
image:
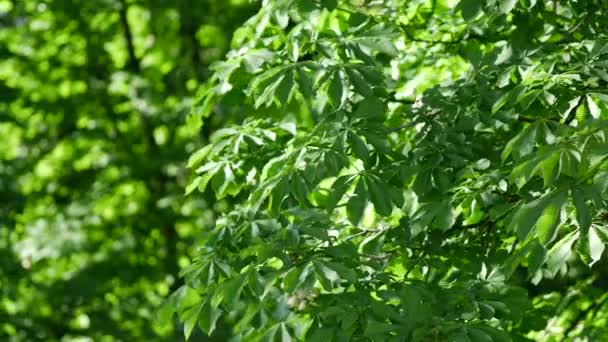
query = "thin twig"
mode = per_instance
[
  {"x": 404, "y": 101},
  {"x": 404, "y": 126},
  {"x": 415, "y": 265},
  {"x": 378, "y": 257},
  {"x": 411, "y": 37},
  {"x": 413, "y": 123}
]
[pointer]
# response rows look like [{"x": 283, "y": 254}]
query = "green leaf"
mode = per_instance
[
  {"x": 270, "y": 334},
  {"x": 358, "y": 148},
  {"x": 292, "y": 46},
  {"x": 357, "y": 203},
  {"x": 596, "y": 245},
  {"x": 285, "y": 334},
  {"x": 602, "y": 97},
  {"x": 378, "y": 141},
  {"x": 522, "y": 144},
  {"x": 422, "y": 218},
  {"x": 469, "y": 9},
  {"x": 478, "y": 335},
  {"x": 583, "y": 214},
  {"x": 193, "y": 185},
  {"x": 445, "y": 218},
  {"x": 515, "y": 258},
  {"x": 298, "y": 277},
  {"x": 337, "y": 191},
  {"x": 305, "y": 83},
  {"x": 506, "y": 6},
  {"x": 254, "y": 59},
  {"x": 343, "y": 271},
  {"x": 559, "y": 253},
  {"x": 190, "y": 318},
  {"x": 320, "y": 334},
  {"x": 589, "y": 246},
  {"x": 361, "y": 85},
  {"x": 373, "y": 76},
  {"x": 378, "y": 38},
  {"x": 330, "y": 4},
  {"x": 208, "y": 318},
  {"x": 473, "y": 213},
  {"x": 416, "y": 303},
  {"x": 537, "y": 257},
  {"x": 166, "y": 311},
  {"x": 265, "y": 86},
  {"x": 459, "y": 336},
  {"x": 348, "y": 320},
  {"x": 370, "y": 108},
  {"x": 281, "y": 17},
  {"x": 197, "y": 157},
  {"x": 504, "y": 55},
  {"x": 505, "y": 77},
  {"x": 378, "y": 195},
  {"x": 373, "y": 243},
  {"x": 547, "y": 224},
  {"x": 569, "y": 164},
  {"x": 549, "y": 169},
  {"x": 602, "y": 233},
  {"x": 528, "y": 98},
  {"x": 262, "y": 192},
  {"x": 228, "y": 185},
  {"x": 594, "y": 110},
  {"x": 482, "y": 164},
  {"x": 326, "y": 276},
  {"x": 345, "y": 250},
  {"x": 299, "y": 188},
  {"x": 337, "y": 92},
  {"x": 374, "y": 328},
  {"x": 581, "y": 113},
  {"x": 526, "y": 216},
  {"x": 285, "y": 88},
  {"x": 487, "y": 311},
  {"x": 495, "y": 334},
  {"x": 231, "y": 289}
]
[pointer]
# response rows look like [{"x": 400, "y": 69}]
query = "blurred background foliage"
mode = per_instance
[
  {"x": 94, "y": 95},
  {"x": 94, "y": 135}
]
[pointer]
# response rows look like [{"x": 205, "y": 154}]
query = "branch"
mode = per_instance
[
  {"x": 411, "y": 37},
  {"x": 418, "y": 262},
  {"x": 403, "y": 101},
  {"x": 593, "y": 308},
  {"x": 188, "y": 29},
  {"x": 134, "y": 64},
  {"x": 135, "y": 67},
  {"x": 379, "y": 257},
  {"x": 363, "y": 231},
  {"x": 433, "y": 7},
  {"x": 404, "y": 126},
  {"x": 412, "y": 123}
]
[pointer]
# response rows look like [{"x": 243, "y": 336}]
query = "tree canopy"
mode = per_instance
[
  {"x": 303, "y": 170},
  {"x": 406, "y": 171}
]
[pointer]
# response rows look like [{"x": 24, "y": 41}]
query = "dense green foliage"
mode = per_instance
[
  {"x": 94, "y": 95},
  {"x": 421, "y": 170},
  {"x": 360, "y": 170}
]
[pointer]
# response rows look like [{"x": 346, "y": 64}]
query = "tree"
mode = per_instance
[
  {"x": 406, "y": 171},
  {"x": 94, "y": 95}
]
